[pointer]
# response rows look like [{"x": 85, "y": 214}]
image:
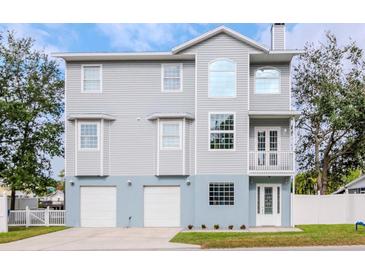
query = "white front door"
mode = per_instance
[{"x": 268, "y": 205}]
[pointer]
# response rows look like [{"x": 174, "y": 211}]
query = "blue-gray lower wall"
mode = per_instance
[{"x": 195, "y": 208}]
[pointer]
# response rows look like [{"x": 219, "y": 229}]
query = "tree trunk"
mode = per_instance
[
  {"x": 317, "y": 163},
  {"x": 12, "y": 202},
  {"x": 324, "y": 180}
]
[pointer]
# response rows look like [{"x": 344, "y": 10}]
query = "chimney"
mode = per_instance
[{"x": 278, "y": 36}]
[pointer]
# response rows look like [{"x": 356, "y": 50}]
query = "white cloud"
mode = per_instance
[
  {"x": 298, "y": 34},
  {"x": 147, "y": 37}
]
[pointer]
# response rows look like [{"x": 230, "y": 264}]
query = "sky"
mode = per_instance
[{"x": 163, "y": 37}]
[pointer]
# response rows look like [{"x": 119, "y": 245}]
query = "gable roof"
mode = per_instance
[
  {"x": 216, "y": 31},
  {"x": 341, "y": 189}
]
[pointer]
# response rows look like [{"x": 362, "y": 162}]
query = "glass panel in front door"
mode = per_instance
[
  {"x": 273, "y": 159},
  {"x": 261, "y": 147},
  {"x": 268, "y": 200}
]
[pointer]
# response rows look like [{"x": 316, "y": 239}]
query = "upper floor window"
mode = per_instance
[
  {"x": 89, "y": 136},
  {"x": 267, "y": 81},
  {"x": 91, "y": 78},
  {"x": 170, "y": 135},
  {"x": 172, "y": 77},
  {"x": 221, "y": 131},
  {"x": 222, "y": 78}
]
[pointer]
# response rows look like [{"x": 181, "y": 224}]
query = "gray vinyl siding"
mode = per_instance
[
  {"x": 284, "y": 131},
  {"x": 274, "y": 102},
  {"x": 69, "y": 148},
  {"x": 222, "y": 162},
  {"x": 131, "y": 91}
]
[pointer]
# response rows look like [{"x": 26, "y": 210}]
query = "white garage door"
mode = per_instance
[
  {"x": 98, "y": 206},
  {"x": 162, "y": 206}
]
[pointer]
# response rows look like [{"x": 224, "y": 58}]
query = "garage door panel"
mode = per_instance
[
  {"x": 98, "y": 206},
  {"x": 162, "y": 206}
]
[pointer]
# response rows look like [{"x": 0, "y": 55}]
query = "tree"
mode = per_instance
[
  {"x": 31, "y": 108},
  {"x": 329, "y": 83}
]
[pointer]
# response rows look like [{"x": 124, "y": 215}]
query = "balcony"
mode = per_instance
[{"x": 271, "y": 163}]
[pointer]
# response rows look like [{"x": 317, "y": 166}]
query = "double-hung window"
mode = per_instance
[
  {"x": 267, "y": 81},
  {"x": 221, "y": 131},
  {"x": 172, "y": 77},
  {"x": 170, "y": 135},
  {"x": 91, "y": 79},
  {"x": 89, "y": 136}
]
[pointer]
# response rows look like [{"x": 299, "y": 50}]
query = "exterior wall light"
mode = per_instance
[
  {"x": 72, "y": 183},
  {"x": 129, "y": 183},
  {"x": 188, "y": 183}
]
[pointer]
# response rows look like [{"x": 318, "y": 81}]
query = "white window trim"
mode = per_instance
[
  {"x": 174, "y": 122},
  {"x": 101, "y": 78},
  {"x": 163, "y": 74},
  {"x": 229, "y": 131},
  {"x": 98, "y": 135},
  {"x": 235, "y": 82},
  {"x": 267, "y": 67},
  {"x": 267, "y": 129}
]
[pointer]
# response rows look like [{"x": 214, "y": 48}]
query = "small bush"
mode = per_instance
[
  {"x": 230, "y": 227},
  {"x": 190, "y": 227},
  {"x": 243, "y": 227},
  {"x": 204, "y": 226},
  {"x": 216, "y": 226}
]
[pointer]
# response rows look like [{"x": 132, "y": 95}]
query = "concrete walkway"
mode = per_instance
[{"x": 103, "y": 239}]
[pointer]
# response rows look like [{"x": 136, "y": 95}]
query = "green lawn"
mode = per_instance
[
  {"x": 312, "y": 235},
  {"x": 21, "y": 232}
]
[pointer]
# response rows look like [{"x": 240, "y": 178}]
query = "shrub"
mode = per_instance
[
  {"x": 216, "y": 226},
  {"x": 243, "y": 227},
  {"x": 230, "y": 227},
  {"x": 190, "y": 227},
  {"x": 204, "y": 226}
]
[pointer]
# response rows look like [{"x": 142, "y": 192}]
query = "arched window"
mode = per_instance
[
  {"x": 267, "y": 80},
  {"x": 222, "y": 78}
]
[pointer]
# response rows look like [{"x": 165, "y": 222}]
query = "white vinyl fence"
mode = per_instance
[
  {"x": 37, "y": 217},
  {"x": 329, "y": 209}
]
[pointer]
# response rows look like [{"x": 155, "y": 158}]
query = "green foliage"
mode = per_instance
[
  {"x": 329, "y": 90},
  {"x": 31, "y": 108}
]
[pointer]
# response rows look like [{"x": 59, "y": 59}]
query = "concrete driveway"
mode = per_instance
[{"x": 102, "y": 239}]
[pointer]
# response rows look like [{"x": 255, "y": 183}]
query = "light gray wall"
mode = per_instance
[
  {"x": 222, "y": 162},
  {"x": 131, "y": 90},
  {"x": 279, "y": 101},
  {"x": 284, "y": 131}
]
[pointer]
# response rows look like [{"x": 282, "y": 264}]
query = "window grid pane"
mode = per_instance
[
  {"x": 88, "y": 136},
  {"x": 222, "y": 131},
  {"x": 172, "y": 77},
  {"x": 171, "y": 135},
  {"x": 92, "y": 79},
  {"x": 221, "y": 194}
]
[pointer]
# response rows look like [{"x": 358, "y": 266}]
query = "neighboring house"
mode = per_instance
[
  {"x": 356, "y": 186},
  {"x": 54, "y": 200},
  {"x": 199, "y": 135}
]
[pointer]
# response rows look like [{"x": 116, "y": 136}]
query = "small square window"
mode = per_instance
[{"x": 221, "y": 194}]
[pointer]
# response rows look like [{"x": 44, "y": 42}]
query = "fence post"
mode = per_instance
[
  {"x": 27, "y": 216},
  {"x": 46, "y": 216}
]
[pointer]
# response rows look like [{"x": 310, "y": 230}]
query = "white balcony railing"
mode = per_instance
[{"x": 271, "y": 161}]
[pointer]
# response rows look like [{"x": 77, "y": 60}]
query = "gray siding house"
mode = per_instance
[{"x": 199, "y": 135}]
